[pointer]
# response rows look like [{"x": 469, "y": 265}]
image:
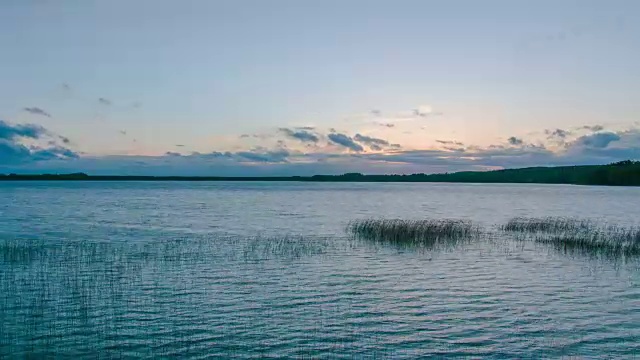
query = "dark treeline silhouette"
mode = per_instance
[{"x": 623, "y": 173}]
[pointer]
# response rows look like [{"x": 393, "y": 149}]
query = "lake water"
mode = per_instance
[{"x": 232, "y": 269}]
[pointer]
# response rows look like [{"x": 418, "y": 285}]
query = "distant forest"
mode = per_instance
[{"x": 623, "y": 173}]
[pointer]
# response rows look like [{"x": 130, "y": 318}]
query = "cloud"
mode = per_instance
[
  {"x": 345, "y": 141},
  {"x": 279, "y": 162},
  {"x": 37, "y": 111},
  {"x": 515, "y": 141},
  {"x": 594, "y": 148},
  {"x": 597, "y": 140},
  {"x": 449, "y": 142},
  {"x": 302, "y": 135},
  {"x": 557, "y": 133},
  {"x": 374, "y": 143},
  {"x": 424, "y": 111},
  {"x": 13, "y": 151},
  {"x": 376, "y": 116},
  {"x": 253, "y": 156},
  {"x": 10, "y": 132},
  {"x": 370, "y": 140},
  {"x": 52, "y": 153},
  {"x": 105, "y": 102},
  {"x": 593, "y": 127},
  {"x": 276, "y": 156},
  {"x": 261, "y": 136}
]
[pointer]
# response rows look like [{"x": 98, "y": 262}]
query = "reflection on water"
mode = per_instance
[{"x": 250, "y": 270}]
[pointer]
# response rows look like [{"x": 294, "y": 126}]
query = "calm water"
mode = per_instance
[{"x": 266, "y": 269}]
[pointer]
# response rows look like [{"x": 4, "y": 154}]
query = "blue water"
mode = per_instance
[{"x": 244, "y": 270}]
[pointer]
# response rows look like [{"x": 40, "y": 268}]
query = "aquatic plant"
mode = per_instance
[
  {"x": 547, "y": 224},
  {"x": 575, "y": 235},
  {"x": 414, "y": 232},
  {"x": 286, "y": 246}
]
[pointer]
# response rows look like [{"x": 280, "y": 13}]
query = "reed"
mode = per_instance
[
  {"x": 286, "y": 247},
  {"x": 414, "y": 232},
  {"x": 547, "y": 224},
  {"x": 585, "y": 236}
]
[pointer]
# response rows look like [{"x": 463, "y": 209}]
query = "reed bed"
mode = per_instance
[
  {"x": 176, "y": 251},
  {"x": 575, "y": 235},
  {"x": 427, "y": 232},
  {"x": 547, "y": 224},
  {"x": 284, "y": 247}
]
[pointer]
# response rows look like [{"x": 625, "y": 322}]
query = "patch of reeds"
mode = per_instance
[
  {"x": 286, "y": 246},
  {"x": 427, "y": 232},
  {"x": 174, "y": 252},
  {"x": 575, "y": 235},
  {"x": 547, "y": 224}
]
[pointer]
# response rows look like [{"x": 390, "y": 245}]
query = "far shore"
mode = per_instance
[{"x": 623, "y": 173}]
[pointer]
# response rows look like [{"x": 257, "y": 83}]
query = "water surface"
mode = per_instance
[{"x": 148, "y": 269}]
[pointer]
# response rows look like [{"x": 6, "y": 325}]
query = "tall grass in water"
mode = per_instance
[
  {"x": 575, "y": 235},
  {"x": 414, "y": 232},
  {"x": 547, "y": 224},
  {"x": 284, "y": 247},
  {"x": 77, "y": 295}
]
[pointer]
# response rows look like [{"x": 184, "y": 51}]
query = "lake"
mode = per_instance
[{"x": 263, "y": 269}]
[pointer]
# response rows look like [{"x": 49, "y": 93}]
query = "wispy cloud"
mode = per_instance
[
  {"x": 302, "y": 135},
  {"x": 593, "y": 127},
  {"x": 37, "y": 111},
  {"x": 374, "y": 143},
  {"x": 449, "y": 142},
  {"x": 345, "y": 141},
  {"x": 515, "y": 141},
  {"x": 252, "y": 156},
  {"x": 276, "y": 156},
  {"x": 425, "y": 111},
  {"x": 557, "y": 133},
  {"x": 370, "y": 140},
  {"x": 104, "y": 101}
]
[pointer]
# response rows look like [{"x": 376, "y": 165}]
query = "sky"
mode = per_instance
[{"x": 265, "y": 88}]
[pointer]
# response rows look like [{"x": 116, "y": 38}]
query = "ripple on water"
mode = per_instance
[{"x": 133, "y": 279}]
